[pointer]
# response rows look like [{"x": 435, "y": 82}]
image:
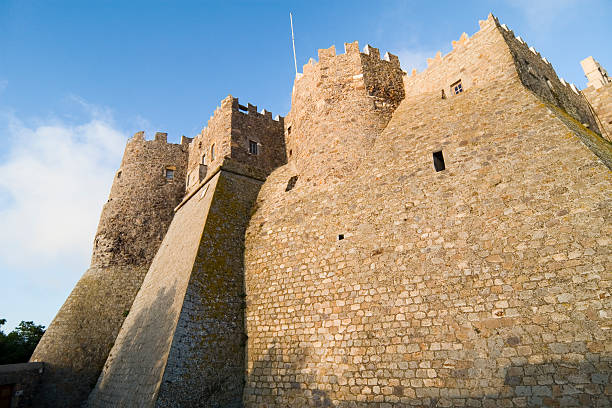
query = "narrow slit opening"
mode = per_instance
[{"x": 438, "y": 159}]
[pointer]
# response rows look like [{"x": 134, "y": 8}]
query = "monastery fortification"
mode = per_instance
[{"x": 430, "y": 239}]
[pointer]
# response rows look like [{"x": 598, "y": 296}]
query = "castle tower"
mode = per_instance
[
  {"x": 146, "y": 188},
  {"x": 242, "y": 135},
  {"x": 594, "y": 72},
  {"x": 183, "y": 342},
  {"x": 599, "y": 93},
  {"x": 339, "y": 105}
]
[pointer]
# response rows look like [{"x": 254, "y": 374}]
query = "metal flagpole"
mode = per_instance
[{"x": 293, "y": 41}]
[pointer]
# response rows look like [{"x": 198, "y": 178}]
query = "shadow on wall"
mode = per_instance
[
  {"x": 586, "y": 383},
  {"x": 282, "y": 367},
  {"x": 140, "y": 351}
]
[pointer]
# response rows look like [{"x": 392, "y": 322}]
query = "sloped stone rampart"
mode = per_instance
[
  {"x": 183, "y": 343},
  {"x": 485, "y": 284},
  {"x": 206, "y": 364},
  {"x": 133, "y": 371},
  {"x": 132, "y": 225}
]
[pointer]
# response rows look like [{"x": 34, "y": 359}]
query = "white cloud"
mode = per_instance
[{"x": 55, "y": 177}]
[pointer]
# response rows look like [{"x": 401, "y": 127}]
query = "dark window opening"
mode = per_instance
[
  {"x": 340, "y": 237},
  {"x": 291, "y": 183},
  {"x": 289, "y": 130},
  {"x": 457, "y": 88},
  {"x": 119, "y": 174},
  {"x": 169, "y": 174},
  {"x": 438, "y": 160},
  {"x": 290, "y": 152},
  {"x": 243, "y": 108},
  {"x": 200, "y": 145},
  {"x": 443, "y": 94},
  {"x": 253, "y": 148}
]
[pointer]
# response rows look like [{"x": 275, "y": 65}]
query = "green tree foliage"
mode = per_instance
[{"x": 18, "y": 345}]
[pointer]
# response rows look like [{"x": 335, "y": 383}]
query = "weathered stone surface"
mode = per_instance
[
  {"x": 22, "y": 381},
  {"x": 132, "y": 225},
  {"x": 421, "y": 244},
  {"x": 480, "y": 285}
]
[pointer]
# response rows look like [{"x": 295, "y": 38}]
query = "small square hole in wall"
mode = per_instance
[
  {"x": 289, "y": 130},
  {"x": 169, "y": 173},
  {"x": 291, "y": 183},
  {"x": 340, "y": 237},
  {"x": 438, "y": 160},
  {"x": 119, "y": 174}
]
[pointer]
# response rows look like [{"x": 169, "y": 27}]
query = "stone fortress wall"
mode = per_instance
[
  {"x": 343, "y": 269},
  {"x": 485, "y": 284},
  {"x": 538, "y": 75},
  {"x": 132, "y": 225}
]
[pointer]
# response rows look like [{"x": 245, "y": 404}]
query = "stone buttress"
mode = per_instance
[
  {"x": 183, "y": 342},
  {"x": 134, "y": 220}
]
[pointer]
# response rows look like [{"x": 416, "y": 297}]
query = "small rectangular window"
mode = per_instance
[
  {"x": 253, "y": 147},
  {"x": 438, "y": 160},
  {"x": 289, "y": 130},
  {"x": 212, "y": 152},
  {"x": 169, "y": 174},
  {"x": 456, "y": 88}
]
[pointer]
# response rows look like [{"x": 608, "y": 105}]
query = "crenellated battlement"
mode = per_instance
[
  {"x": 159, "y": 137},
  {"x": 341, "y": 100},
  {"x": 238, "y": 132},
  {"x": 538, "y": 75},
  {"x": 328, "y": 56}
]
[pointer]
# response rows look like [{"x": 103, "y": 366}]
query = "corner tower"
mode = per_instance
[
  {"x": 183, "y": 342},
  {"x": 339, "y": 105},
  {"x": 134, "y": 220}
]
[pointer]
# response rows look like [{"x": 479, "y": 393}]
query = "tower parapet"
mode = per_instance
[
  {"x": 339, "y": 105},
  {"x": 493, "y": 54},
  {"x": 134, "y": 220},
  {"x": 599, "y": 94},
  {"x": 239, "y": 133},
  {"x": 537, "y": 74},
  {"x": 595, "y": 73}
]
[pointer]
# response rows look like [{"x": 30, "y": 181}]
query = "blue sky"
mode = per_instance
[{"x": 77, "y": 78}]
